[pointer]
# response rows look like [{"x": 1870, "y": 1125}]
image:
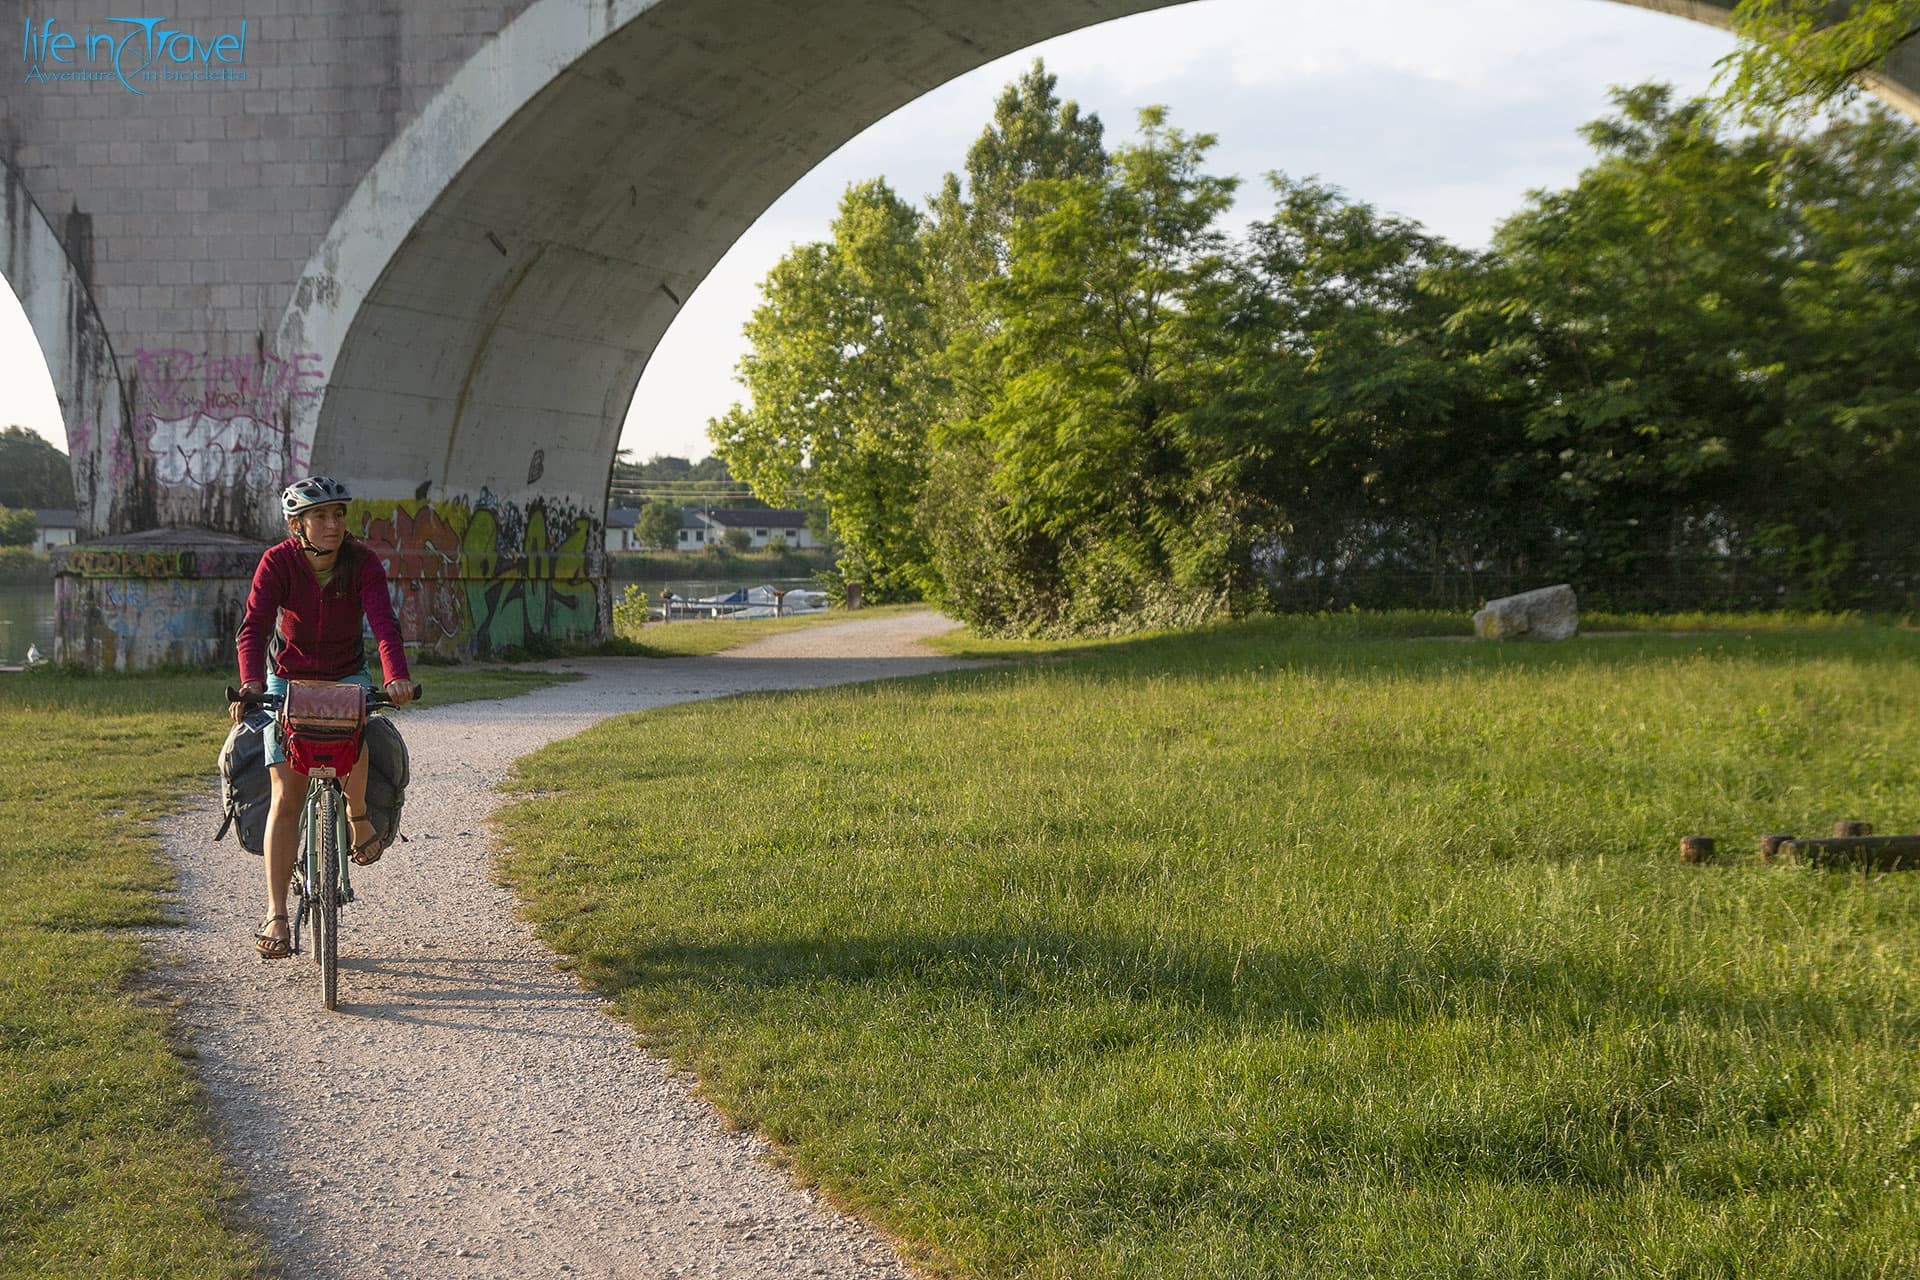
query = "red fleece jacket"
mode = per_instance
[{"x": 319, "y": 627}]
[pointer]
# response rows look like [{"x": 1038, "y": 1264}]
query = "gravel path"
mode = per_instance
[{"x": 470, "y": 1110}]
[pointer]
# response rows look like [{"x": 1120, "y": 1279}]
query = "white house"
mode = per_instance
[
  {"x": 620, "y": 529},
  {"x": 58, "y": 528},
  {"x": 701, "y": 529}
]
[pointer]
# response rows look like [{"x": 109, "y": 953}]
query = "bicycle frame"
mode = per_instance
[{"x": 322, "y": 725}]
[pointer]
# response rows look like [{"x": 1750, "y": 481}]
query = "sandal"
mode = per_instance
[
  {"x": 270, "y": 947},
  {"x": 367, "y": 852}
]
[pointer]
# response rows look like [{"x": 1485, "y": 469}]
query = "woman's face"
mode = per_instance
[{"x": 325, "y": 527}]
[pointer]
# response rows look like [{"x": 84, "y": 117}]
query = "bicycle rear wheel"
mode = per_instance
[{"x": 326, "y": 899}]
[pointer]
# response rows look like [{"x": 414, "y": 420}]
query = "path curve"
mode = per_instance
[{"x": 470, "y": 1110}]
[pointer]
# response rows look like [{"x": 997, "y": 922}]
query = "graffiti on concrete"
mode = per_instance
[
  {"x": 222, "y": 421},
  {"x": 113, "y": 563},
  {"x": 129, "y": 624},
  {"x": 482, "y": 576},
  {"x": 204, "y": 450},
  {"x": 158, "y": 615}
]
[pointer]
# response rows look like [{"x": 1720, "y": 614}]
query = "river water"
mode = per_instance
[{"x": 26, "y": 611}]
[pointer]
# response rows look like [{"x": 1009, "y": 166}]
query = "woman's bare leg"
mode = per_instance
[
  {"x": 283, "y": 839},
  {"x": 363, "y": 830}
]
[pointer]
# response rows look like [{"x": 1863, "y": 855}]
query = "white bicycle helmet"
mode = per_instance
[{"x": 314, "y": 491}]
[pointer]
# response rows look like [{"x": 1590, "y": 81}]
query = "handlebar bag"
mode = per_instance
[{"x": 322, "y": 710}]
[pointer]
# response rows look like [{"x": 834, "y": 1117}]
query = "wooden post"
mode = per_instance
[
  {"x": 1770, "y": 847},
  {"x": 1696, "y": 849},
  {"x": 1876, "y": 853}
]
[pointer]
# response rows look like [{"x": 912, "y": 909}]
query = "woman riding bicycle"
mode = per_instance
[{"x": 311, "y": 594}]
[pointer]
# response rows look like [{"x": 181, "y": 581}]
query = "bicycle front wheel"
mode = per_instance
[{"x": 326, "y": 898}]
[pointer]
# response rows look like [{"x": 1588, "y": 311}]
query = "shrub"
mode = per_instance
[{"x": 630, "y": 613}]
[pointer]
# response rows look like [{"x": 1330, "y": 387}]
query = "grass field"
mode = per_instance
[
  {"x": 106, "y": 1168},
  {"x": 1290, "y": 948}
]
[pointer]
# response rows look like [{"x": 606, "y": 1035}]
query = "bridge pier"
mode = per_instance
[
  {"x": 467, "y": 579},
  {"x": 158, "y": 598}
]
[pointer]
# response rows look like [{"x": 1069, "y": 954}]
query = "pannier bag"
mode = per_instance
[{"x": 246, "y": 790}]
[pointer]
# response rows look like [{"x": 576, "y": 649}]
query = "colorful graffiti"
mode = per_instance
[
  {"x": 115, "y": 563},
  {"x": 133, "y": 624},
  {"x": 221, "y": 421},
  {"x": 479, "y": 577}
]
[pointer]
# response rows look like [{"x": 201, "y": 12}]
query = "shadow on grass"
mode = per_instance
[
  {"x": 1623, "y": 1082},
  {"x": 1237, "y": 987}
]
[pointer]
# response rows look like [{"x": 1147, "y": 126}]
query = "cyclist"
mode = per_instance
[{"x": 310, "y": 593}]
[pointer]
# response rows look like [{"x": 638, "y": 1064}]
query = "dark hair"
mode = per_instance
[{"x": 346, "y": 567}]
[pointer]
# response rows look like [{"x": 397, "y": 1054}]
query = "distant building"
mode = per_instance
[
  {"x": 58, "y": 528},
  {"x": 693, "y": 530},
  {"x": 701, "y": 529},
  {"x": 620, "y": 526}
]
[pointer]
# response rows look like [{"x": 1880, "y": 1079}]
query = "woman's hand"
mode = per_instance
[
  {"x": 238, "y": 710},
  {"x": 400, "y": 692}
]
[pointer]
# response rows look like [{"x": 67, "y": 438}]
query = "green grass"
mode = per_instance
[
  {"x": 1783, "y": 620},
  {"x": 1247, "y": 953},
  {"x": 106, "y": 1167},
  {"x": 689, "y": 639}
]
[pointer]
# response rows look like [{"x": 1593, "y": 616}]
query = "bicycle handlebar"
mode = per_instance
[{"x": 375, "y": 697}]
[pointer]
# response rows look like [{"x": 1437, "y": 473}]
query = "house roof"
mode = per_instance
[
  {"x": 57, "y": 518},
  {"x": 736, "y": 518},
  {"x": 622, "y": 518}
]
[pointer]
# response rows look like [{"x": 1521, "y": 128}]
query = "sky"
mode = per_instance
[{"x": 1445, "y": 112}]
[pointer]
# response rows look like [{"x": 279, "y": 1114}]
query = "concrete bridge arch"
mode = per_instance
[{"x": 430, "y": 251}]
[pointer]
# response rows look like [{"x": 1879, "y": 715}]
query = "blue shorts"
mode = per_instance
[{"x": 277, "y": 754}]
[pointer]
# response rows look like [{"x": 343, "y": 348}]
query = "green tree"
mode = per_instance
[
  {"x": 1033, "y": 135},
  {"x": 737, "y": 540},
  {"x": 1843, "y": 458},
  {"x": 988, "y": 558},
  {"x": 1105, "y": 332},
  {"x": 1358, "y": 421},
  {"x": 665, "y": 477},
  {"x": 836, "y": 379},
  {"x": 33, "y": 473},
  {"x": 17, "y": 527},
  {"x": 1644, "y": 300},
  {"x": 1797, "y": 56},
  {"x": 659, "y": 525}
]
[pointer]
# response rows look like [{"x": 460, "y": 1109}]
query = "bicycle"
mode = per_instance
[{"x": 322, "y": 725}]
